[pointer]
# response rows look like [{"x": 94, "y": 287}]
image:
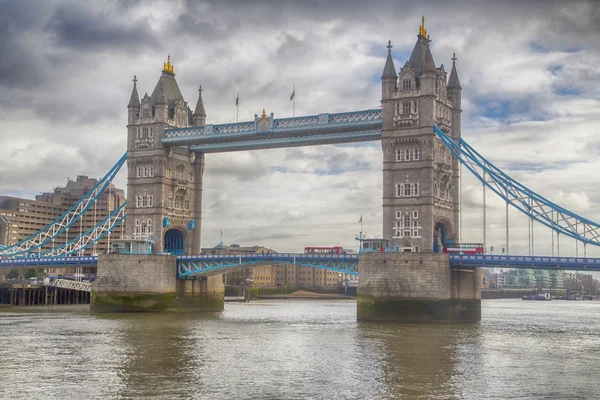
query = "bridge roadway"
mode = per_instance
[{"x": 212, "y": 264}]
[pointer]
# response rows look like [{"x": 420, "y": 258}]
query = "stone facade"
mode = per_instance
[
  {"x": 420, "y": 175},
  {"x": 416, "y": 287},
  {"x": 164, "y": 183},
  {"x": 136, "y": 282}
]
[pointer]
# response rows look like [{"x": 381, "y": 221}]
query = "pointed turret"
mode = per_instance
[
  {"x": 389, "y": 77},
  {"x": 389, "y": 71},
  {"x": 199, "y": 116},
  {"x": 134, "y": 101},
  {"x": 133, "y": 108},
  {"x": 454, "y": 82}
]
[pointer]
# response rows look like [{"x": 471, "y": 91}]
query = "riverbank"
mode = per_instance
[
  {"x": 305, "y": 295},
  {"x": 66, "y": 308}
]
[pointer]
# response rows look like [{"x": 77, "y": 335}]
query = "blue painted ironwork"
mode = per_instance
[
  {"x": 54, "y": 262},
  {"x": 93, "y": 235},
  {"x": 349, "y": 122},
  {"x": 289, "y": 141},
  {"x": 174, "y": 242},
  {"x": 523, "y": 199},
  {"x": 66, "y": 220},
  {"x": 212, "y": 264},
  {"x": 192, "y": 266},
  {"x": 458, "y": 261}
]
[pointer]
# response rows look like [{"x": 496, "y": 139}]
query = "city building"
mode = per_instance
[
  {"x": 241, "y": 276},
  {"x": 275, "y": 275},
  {"x": 20, "y": 218}
]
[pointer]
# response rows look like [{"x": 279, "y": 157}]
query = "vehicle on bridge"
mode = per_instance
[
  {"x": 464, "y": 248},
  {"x": 324, "y": 250}
]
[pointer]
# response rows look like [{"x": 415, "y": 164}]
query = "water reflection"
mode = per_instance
[
  {"x": 158, "y": 360},
  {"x": 300, "y": 350},
  {"x": 419, "y": 361}
]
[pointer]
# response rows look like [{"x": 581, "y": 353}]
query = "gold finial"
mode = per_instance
[
  {"x": 168, "y": 67},
  {"x": 422, "y": 30},
  {"x": 264, "y": 114}
]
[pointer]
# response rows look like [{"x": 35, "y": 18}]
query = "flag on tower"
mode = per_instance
[
  {"x": 237, "y": 99},
  {"x": 293, "y": 94},
  {"x": 360, "y": 220}
]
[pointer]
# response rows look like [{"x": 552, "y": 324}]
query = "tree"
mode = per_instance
[
  {"x": 30, "y": 273},
  {"x": 13, "y": 274}
]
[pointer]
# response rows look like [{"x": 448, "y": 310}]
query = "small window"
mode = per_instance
[
  {"x": 407, "y": 190},
  {"x": 398, "y": 214},
  {"x": 417, "y": 249},
  {"x": 168, "y": 172},
  {"x": 417, "y": 154},
  {"x": 138, "y": 172},
  {"x": 146, "y": 113},
  {"x": 399, "y": 189},
  {"x": 407, "y": 84},
  {"x": 415, "y": 214},
  {"x": 399, "y": 154},
  {"x": 406, "y": 108}
]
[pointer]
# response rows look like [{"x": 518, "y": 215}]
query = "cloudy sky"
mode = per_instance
[{"x": 531, "y": 101}]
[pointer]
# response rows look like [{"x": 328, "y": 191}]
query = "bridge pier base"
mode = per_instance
[
  {"x": 416, "y": 287},
  {"x": 148, "y": 283}
]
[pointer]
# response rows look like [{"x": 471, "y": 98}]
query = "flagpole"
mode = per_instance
[
  {"x": 294, "y": 103},
  {"x": 237, "y": 108}
]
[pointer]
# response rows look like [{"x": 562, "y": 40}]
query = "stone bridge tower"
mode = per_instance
[
  {"x": 164, "y": 183},
  {"x": 421, "y": 204}
]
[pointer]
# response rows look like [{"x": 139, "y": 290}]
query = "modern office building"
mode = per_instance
[{"x": 20, "y": 218}]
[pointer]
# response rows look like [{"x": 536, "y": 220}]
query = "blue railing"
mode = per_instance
[{"x": 246, "y": 130}]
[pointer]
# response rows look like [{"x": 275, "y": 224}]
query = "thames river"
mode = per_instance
[{"x": 302, "y": 350}]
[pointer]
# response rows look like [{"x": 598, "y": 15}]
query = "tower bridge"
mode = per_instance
[{"x": 419, "y": 127}]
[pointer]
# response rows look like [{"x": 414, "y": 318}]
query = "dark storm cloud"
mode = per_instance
[
  {"x": 79, "y": 28},
  {"x": 18, "y": 64}
]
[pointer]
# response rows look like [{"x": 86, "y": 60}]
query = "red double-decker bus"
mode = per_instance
[
  {"x": 464, "y": 248},
  {"x": 324, "y": 250}
]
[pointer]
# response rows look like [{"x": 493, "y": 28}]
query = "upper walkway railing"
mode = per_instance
[{"x": 278, "y": 129}]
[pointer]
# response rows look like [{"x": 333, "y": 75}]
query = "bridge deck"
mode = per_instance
[{"x": 344, "y": 263}]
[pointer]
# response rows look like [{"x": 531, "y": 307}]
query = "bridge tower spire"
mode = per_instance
[
  {"x": 134, "y": 104},
  {"x": 454, "y": 90},
  {"x": 199, "y": 116},
  {"x": 419, "y": 178},
  {"x": 164, "y": 184}
]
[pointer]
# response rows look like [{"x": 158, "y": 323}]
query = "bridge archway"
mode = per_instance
[
  {"x": 174, "y": 241},
  {"x": 441, "y": 234}
]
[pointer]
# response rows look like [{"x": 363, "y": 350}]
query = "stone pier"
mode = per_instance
[
  {"x": 148, "y": 282},
  {"x": 416, "y": 287}
]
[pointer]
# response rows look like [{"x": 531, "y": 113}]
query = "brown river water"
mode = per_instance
[{"x": 302, "y": 350}]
